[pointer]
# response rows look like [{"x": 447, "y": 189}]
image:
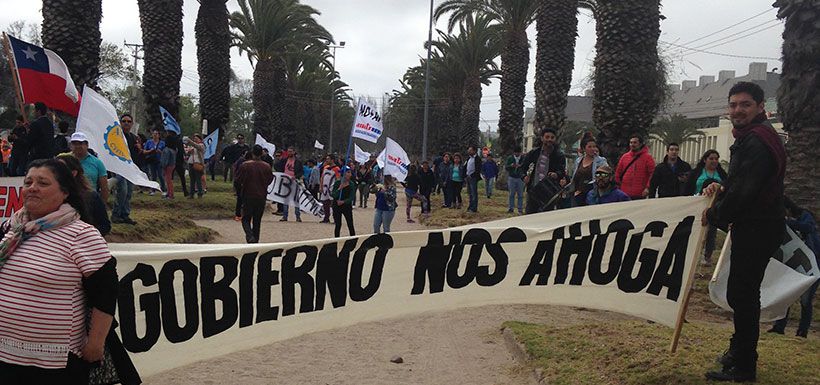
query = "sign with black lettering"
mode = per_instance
[
  {"x": 288, "y": 191},
  {"x": 183, "y": 303},
  {"x": 11, "y": 199}
]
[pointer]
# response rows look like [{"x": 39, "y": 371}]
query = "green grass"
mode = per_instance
[
  {"x": 636, "y": 352},
  {"x": 171, "y": 221},
  {"x": 488, "y": 209}
]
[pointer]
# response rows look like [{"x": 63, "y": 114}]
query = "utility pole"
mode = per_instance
[
  {"x": 136, "y": 48},
  {"x": 427, "y": 85},
  {"x": 332, "y": 94}
]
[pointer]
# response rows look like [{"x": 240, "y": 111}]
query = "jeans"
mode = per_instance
[
  {"x": 227, "y": 169},
  {"x": 472, "y": 193},
  {"x": 516, "y": 187},
  {"x": 410, "y": 195},
  {"x": 285, "y": 209},
  {"x": 805, "y": 312},
  {"x": 455, "y": 193},
  {"x": 382, "y": 219},
  {"x": 345, "y": 210},
  {"x": 364, "y": 194},
  {"x": 196, "y": 181},
  {"x": 155, "y": 175},
  {"x": 252, "y": 210},
  {"x": 488, "y": 185},
  {"x": 122, "y": 204},
  {"x": 753, "y": 243}
]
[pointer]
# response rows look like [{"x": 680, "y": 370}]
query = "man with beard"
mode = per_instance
[
  {"x": 635, "y": 169},
  {"x": 751, "y": 202},
  {"x": 549, "y": 169},
  {"x": 605, "y": 190},
  {"x": 670, "y": 175}
]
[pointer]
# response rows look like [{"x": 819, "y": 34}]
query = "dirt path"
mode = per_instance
[{"x": 454, "y": 347}]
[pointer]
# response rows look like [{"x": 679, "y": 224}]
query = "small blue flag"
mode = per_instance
[
  {"x": 210, "y": 144},
  {"x": 169, "y": 121}
]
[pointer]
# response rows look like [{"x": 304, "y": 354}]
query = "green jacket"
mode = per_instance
[
  {"x": 513, "y": 171},
  {"x": 348, "y": 193}
]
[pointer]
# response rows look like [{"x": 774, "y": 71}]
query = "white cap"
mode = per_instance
[{"x": 79, "y": 137}]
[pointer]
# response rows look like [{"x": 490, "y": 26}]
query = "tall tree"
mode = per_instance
[
  {"x": 161, "y": 22},
  {"x": 513, "y": 17},
  {"x": 213, "y": 45},
  {"x": 72, "y": 30},
  {"x": 266, "y": 31},
  {"x": 474, "y": 48},
  {"x": 629, "y": 76},
  {"x": 798, "y": 99},
  {"x": 556, "y": 31},
  {"x": 675, "y": 129}
]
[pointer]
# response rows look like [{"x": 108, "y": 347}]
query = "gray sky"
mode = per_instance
[{"x": 385, "y": 37}]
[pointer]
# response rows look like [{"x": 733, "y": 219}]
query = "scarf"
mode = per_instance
[
  {"x": 769, "y": 137},
  {"x": 22, "y": 228}
]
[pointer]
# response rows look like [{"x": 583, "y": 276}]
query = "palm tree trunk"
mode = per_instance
[
  {"x": 515, "y": 60},
  {"x": 213, "y": 43},
  {"x": 470, "y": 112},
  {"x": 72, "y": 30},
  {"x": 263, "y": 96},
  {"x": 453, "y": 130},
  {"x": 798, "y": 100},
  {"x": 161, "y": 22},
  {"x": 557, "y": 29},
  {"x": 629, "y": 78}
]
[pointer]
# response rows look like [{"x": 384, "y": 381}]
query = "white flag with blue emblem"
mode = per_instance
[
  {"x": 99, "y": 121},
  {"x": 397, "y": 160},
  {"x": 169, "y": 122},
  {"x": 368, "y": 124},
  {"x": 210, "y": 144}
]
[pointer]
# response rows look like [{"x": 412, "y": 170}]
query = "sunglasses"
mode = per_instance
[
  {"x": 602, "y": 174},
  {"x": 126, "y": 121}
]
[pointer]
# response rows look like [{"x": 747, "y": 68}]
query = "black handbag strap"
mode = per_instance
[{"x": 629, "y": 165}]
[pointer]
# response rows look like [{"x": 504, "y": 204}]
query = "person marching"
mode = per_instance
[
  {"x": 253, "y": 176},
  {"x": 515, "y": 184},
  {"x": 344, "y": 193},
  {"x": 385, "y": 205}
]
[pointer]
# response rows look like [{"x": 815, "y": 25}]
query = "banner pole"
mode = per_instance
[
  {"x": 673, "y": 347},
  {"x": 14, "y": 77},
  {"x": 349, "y": 144}
]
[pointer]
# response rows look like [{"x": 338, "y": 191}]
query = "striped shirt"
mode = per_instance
[{"x": 42, "y": 304}]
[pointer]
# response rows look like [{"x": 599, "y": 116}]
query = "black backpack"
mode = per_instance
[{"x": 61, "y": 144}]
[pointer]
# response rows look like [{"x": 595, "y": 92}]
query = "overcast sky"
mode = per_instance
[{"x": 385, "y": 37}]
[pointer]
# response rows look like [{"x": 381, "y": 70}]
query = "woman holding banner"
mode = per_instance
[
  {"x": 344, "y": 195},
  {"x": 57, "y": 306},
  {"x": 385, "y": 205}
]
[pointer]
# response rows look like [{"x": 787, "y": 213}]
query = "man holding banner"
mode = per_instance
[{"x": 751, "y": 202}]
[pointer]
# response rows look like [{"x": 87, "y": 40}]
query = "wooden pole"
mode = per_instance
[
  {"x": 693, "y": 269},
  {"x": 14, "y": 76}
]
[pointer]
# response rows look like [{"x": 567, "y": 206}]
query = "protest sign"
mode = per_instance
[
  {"x": 210, "y": 144},
  {"x": 318, "y": 145},
  {"x": 360, "y": 155},
  {"x": 183, "y": 303},
  {"x": 397, "y": 161},
  {"x": 265, "y": 144},
  {"x": 11, "y": 199},
  {"x": 289, "y": 192},
  {"x": 789, "y": 273},
  {"x": 99, "y": 121},
  {"x": 368, "y": 123}
]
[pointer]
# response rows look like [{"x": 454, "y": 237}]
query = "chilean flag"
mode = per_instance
[{"x": 44, "y": 77}]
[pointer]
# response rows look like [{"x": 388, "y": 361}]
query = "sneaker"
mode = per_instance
[
  {"x": 410, "y": 220},
  {"x": 775, "y": 330},
  {"x": 152, "y": 193},
  {"x": 298, "y": 219},
  {"x": 283, "y": 219},
  {"x": 237, "y": 218},
  {"x": 802, "y": 334},
  {"x": 732, "y": 374},
  {"x": 116, "y": 219},
  {"x": 510, "y": 211},
  {"x": 129, "y": 221},
  {"x": 521, "y": 212}
]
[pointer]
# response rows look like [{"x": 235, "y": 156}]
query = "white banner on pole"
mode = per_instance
[
  {"x": 397, "y": 160},
  {"x": 318, "y": 145},
  {"x": 265, "y": 144},
  {"x": 183, "y": 303},
  {"x": 360, "y": 155},
  {"x": 286, "y": 191},
  {"x": 788, "y": 275},
  {"x": 99, "y": 121},
  {"x": 368, "y": 123}
]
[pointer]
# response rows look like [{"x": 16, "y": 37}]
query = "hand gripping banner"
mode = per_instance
[{"x": 183, "y": 303}]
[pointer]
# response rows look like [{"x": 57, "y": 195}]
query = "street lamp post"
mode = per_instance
[
  {"x": 427, "y": 85},
  {"x": 332, "y": 96}
]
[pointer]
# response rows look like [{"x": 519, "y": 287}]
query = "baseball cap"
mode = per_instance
[{"x": 79, "y": 137}]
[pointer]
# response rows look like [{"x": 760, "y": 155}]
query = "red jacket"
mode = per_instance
[{"x": 635, "y": 179}]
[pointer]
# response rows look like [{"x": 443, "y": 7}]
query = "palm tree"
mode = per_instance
[
  {"x": 798, "y": 99},
  {"x": 675, "y": 129},
  {"x": 213, "y": 45},
  {"x": 512, "y": 17},
  {"x": 556, "y": 32},
  {"x": 72, "y": 30},
  {"x": 161, "y": 22},
  {"x": 474, "y": 49},
  {"x": 267, "y": 31},
  {"x": 629, "y": 76}
]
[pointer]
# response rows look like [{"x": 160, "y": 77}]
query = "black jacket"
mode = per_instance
[
  {"x": 750, "y": 174},
  {"x": 665, "y": 181},
  {"x": 298, "y": 171},
  {"x": 558, "y": 163},
  {"x": 477, "y": 173},
  {"x": 428, "y": 181},
  {"x": 41, "y": 139}
]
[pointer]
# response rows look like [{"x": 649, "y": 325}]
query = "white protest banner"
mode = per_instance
[
  {"x": 210, "y": 144},
  {"x": 286, "y": 191},
  {"x": 183, "y": 303},
  {"x": 788, "y": 275},
  {"x": 360, "y": 155},
  {"x": 11, "y": 199},
  {"x": 397, "y": 160},
  {"x": 318, "y": 145},
  {"x": 368, "y": 123},
  {"x": 265, "y": 144},
  {"x": 99, "y": 121}
]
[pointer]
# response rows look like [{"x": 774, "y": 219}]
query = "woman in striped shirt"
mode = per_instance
[{"x": 54, "y": 267}]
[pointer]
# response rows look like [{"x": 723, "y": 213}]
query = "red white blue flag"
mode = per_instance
[{"x": 44, "y": 77}]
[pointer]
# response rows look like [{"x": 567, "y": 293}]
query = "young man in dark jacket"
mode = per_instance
[
  {"x": 40, "y": 135},
  {"x": 472, "y": 172},
  {"x": 670, "y": 175},
  {"x": 751, "y": 202},
  {"x": 549, "y": 169}
]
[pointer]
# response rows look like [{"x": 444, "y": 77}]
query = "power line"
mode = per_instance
[
  {"x": 731, "y": 26},
  {"x": 738, "y": 38},
  {"x": 770, "y": 22},
  {"x": 721, "y": 53}
]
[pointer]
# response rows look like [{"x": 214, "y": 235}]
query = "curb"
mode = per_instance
[{"x": 520, "y": 355}]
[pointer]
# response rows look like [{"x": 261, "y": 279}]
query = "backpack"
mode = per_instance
[{"x": 60, "y": 144}]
